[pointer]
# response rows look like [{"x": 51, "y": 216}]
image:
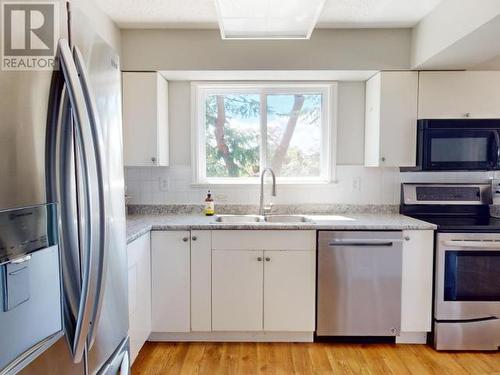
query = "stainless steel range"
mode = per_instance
[{"x": 467, "y": 262}]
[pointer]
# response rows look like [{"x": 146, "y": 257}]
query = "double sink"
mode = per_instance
[{"x": 262, "y": 219}]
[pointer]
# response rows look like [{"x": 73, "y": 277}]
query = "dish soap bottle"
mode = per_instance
[{"x": 209, "y": 205}]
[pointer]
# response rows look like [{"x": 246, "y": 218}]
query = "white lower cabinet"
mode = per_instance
[
  {"x": 237, "y": 290},
  {"x": 416, "y": 288},
  {"x": 289, "y": 290},
  {"x": 262, "y": 289},
  {"x": 171, "y": 275},
  {"x": 201, "y": 281},
  {"x": 139, "y": 293}
]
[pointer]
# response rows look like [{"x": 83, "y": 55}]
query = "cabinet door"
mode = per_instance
[
  {"x": 170, "y": 281},
  {"x": 459, "y": 94},
  {"x": 237, "y": 293},
  {"x": 145, "y": 119},
  {"x": 391, "y": 114},
  {"x": 289, "y": 291},
  {"x": 139, "y": 281},
  {"x": 416, "y": 288},
  {"x": 201, "y": 280}
]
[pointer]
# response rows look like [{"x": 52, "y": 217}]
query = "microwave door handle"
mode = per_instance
[
  {"x": 497, "y": 150},
  {"x": 87, "y": 197},
  {"x": 102, "y": 194},
  {"x": 494, "y": 152}
]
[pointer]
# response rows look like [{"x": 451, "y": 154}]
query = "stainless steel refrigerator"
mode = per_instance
[{"x": 61, "y": 142}]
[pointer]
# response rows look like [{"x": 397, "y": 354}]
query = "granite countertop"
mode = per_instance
[{"x": 137, "y": 225}]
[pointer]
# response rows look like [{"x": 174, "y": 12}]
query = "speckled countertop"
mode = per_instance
[{"x": 137, "y": 225}]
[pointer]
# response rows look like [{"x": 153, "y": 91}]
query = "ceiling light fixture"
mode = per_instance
[{"x": 268, "y": 19}]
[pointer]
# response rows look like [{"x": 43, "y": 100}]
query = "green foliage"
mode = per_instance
[{"x": 244, "y": 143}]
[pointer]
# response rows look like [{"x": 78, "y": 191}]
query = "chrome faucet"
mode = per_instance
[{"x": 266, "y": 209}]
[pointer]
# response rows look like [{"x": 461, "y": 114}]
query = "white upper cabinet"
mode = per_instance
[
  {"x": 474, "y": 94},
  {"x": 145, "y": 119},
  {"x": 390, "y": 119}
]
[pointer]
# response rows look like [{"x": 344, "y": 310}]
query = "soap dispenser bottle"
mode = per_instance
[{"x": 209, "y": 205}]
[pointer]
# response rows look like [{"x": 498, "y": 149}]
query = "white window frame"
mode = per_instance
[{"x": 199, "y": 90}]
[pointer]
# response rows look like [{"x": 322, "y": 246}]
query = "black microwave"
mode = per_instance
[{"x": 458, "y": 144}]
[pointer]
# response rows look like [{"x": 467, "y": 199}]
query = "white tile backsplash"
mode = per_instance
[{"x": 355, "y": 185}]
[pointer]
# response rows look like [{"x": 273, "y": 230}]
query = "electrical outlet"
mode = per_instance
[
  {"x": 356, "y": 184},
  {"x": 221, "y": 198},
  {"x": 164, "y": 184}
]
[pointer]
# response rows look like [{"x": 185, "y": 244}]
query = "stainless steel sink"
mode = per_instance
[
  {"x": 238, "y": 218},
  {"x": 261, "y": 219},
  {"x": 286, "y": 219}
]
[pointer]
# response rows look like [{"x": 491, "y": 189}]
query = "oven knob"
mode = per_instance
[{"x": 407, "y": 238}]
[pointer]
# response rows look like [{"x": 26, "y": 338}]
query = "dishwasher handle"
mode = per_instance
[{"x": 362, "y": 243}]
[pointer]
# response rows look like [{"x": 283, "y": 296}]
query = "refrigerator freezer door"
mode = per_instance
[
  {"x": 23, "y": 116},
  {"x": 103, "y": 73}
]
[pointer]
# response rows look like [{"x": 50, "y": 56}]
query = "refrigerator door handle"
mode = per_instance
[
  {"x": 125, "y": 365},
  {"x": 102, "y": 188},
  {"x": 88, "y": 200}
]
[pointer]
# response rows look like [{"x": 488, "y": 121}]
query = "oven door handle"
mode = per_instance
[{"x": 480, "y": 245}]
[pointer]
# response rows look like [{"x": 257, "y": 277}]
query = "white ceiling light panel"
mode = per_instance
[{"x": 268, "y": 19}]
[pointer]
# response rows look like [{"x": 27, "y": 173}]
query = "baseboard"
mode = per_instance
[
  {"x": 412, "y": 338},
  {"x": 231, "y": 336}
]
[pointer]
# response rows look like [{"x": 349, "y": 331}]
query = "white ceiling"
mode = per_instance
[{"x": 202, "y": 13}]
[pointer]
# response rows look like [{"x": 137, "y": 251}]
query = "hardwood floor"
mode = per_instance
[{"x": 317, "y": 358}]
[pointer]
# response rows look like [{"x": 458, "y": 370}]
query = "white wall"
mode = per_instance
[
  {"x": 101, "y": 23},
  {"x": 376, "y": 186},
  {"x": 351, "y": 107},
  {"x": 373, "y": 185},
  {"x": 353, "y": 49},
  {"x": 456, "y": 35},
  {"x": 188, "y": 50}
]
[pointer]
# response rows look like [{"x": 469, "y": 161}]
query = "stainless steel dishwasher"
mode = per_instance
[{"x": 359, "y": 283}]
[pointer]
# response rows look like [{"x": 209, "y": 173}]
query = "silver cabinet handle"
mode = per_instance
[
  {"x": 259, "y": 259},
  {"x": 101, "y": 181},
  {"x": 194, "y": 238},
  {"x": 185, "y": 239},
  {"x": 268, "y": 259},
  {"x": 360, "y": 243}
]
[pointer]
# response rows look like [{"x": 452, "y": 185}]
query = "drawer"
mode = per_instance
[{"x": 264, "y": 239}]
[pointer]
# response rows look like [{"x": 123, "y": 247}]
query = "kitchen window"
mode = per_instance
[{"x": 240, "y": 129}]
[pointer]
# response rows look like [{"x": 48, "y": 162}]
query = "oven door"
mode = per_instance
[
  {"x": 467, "y": 276},
  {"x": 459, "y": 149}
]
